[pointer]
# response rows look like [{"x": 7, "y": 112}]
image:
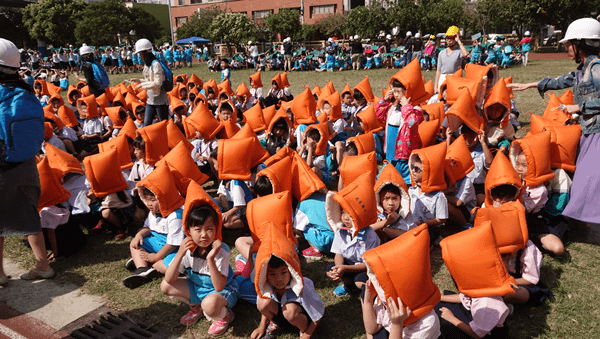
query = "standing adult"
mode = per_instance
[
  {"x": 154, "y": 75},
  {"x": 449, "y": 60},
  {"x": 417, "y": 45},
  {"x": 408, "y": 48},
  {"x": 253, "y": 51},
  {"x": 287, "y": 54},
  {"x": 582, "y": 41},
  {"x": 19, "y": 179},
  {"x": 87, "y": 68},
  {"x": 429, "y": 52},
  {"x": 357, "y": 51}
]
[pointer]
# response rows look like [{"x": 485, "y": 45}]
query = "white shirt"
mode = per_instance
[
  {"x": 171, "y": 226},
  {"x": 425, "y": 206}
]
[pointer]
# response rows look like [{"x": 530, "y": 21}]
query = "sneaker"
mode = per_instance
[
  {"x": 97, "y": 229},
  {"x": 140, "y": 277},
  {"x": 273, "y": 330},
  {"x": 192, "y": 317},
  {"x": 219, "y": 327},
  {"x": 120, "y": 236},
  {"x": 130, "y": 265},
  {"x": 312, "y": 253},
  {"x": 340, "y": 290},
  {"x": 240, "y": 264}
]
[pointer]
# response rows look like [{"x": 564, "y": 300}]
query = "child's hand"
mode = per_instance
[
  {"x": 397, "y": 313},
  {"x": 137, "y": 241},
  {"x": 404, "y": 101},
  {"x": 481, "y": 137},
  {"x": 447, "y": 314},
  {"x": 333, "y": 275},
  {"x": 149, "y": 257},
  {"x": 388, "y": 95},
  {"x": 186, "y": 244},
  {"x": 258, "y": 333},
  {"x": 369, "y": 291},
  {"x": 392, "y": 218},
  {"x": 448, "y": 134},
  {"x": 216, "y": 247}
]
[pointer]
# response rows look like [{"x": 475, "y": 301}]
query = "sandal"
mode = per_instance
[{"x": 35, "y": 274}]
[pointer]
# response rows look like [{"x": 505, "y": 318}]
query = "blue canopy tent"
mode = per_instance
[{"x": 192, "y": 40}]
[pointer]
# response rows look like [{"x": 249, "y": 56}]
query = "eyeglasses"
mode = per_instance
[{"x": 415, "y": 169}]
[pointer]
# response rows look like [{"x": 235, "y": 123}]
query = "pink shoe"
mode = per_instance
[
  {"x": 240, "y": 264},
  {"x": 192, "y": 317},
  {"x": 219, "y": 327},
  {"x": 312, "y": 253}
]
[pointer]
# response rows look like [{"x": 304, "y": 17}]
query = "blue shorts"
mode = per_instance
[
  {"x": 320, "y": 239},
  {"x": 230, "y": 293},
  {"x": 246, "y": 289},
  {"x": 155, "y": 242}
]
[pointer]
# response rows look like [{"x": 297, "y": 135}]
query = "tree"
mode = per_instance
[
  {"x": 308, "y": 32},
  {"x": 199, "y": 23},
  {"x": 53, "y": 21},
  {"x": 231, "y": 28},
  {"x": 145, "y": 25},
  {"x": 101, "y": 23},
  {"x": 285, "y": 22},
  {"x": 333, "y": 25},
  {"x": 366, "y": 22},
  {"x": 13, "y": 17}
]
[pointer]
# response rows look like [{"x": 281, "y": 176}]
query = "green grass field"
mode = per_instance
[{"x": 573, "y": 312}]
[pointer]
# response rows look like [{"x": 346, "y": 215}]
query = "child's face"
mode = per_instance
[
  {"x": 139, "y": 153},
  {"x": 521, "y": 165},
  {"x": 55, "y": 104},
  {"x": 278, "y": 132},
  {"x": 399, "y": 93},
  {"x": 204, "y": 235},
  {"x": 347, "y": 99},
  {"x": 183, "y": 92},
  {"x": 222, "y": 64},
  {"x": 471, "y": 141},
  {"x": 75, "y": 96},
  {"x": 326, "y": 108},
  {"x": 140, "y": 116},
  {"x": 199, "y": 135},
  {"x": 226, "y": 113},
  {"x": 37, "y": 89},
  {"x": 180, "y": 111},
  {"x": 274, "y": 86},
  {"x": 311, "y": 142},
  {"x": 495, "y": 112},
  {"x": 83, "y": 109},
  {"x": 416, "y": 170},
  {"x": 346, "y": 219},
  {"x": 390, "y": 202},
  {"x": 279, "y": 277},
  {"x": 152, "y": 203}
]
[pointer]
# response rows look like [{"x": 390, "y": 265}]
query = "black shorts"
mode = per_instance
[
  {"x": 64, "y": 64},
  {"x": 479, "y": 188},
  {"x": 107, "y": 62}
]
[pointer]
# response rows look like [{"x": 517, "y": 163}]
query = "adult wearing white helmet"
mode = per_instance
[
  {"x": 356, "y": 53},
  {"x": 88, "y": 64},
  {"x": 408, "y": 49},
  {"x": 417, "y": 47},
  {"x": 525, "y": 44},
  {"x": 287, "y": 54},
  {"x": 582, "y": 41},
  {"x": 253, "y": 51},
  {"x": 19, "y": 178},
  {"x": 154, "y": 75}
]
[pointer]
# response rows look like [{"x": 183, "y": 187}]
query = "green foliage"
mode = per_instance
[
  {"x": 332, "y": 25},
  {"x": 53, "y": 21},
  {"x": 199, "y": 23},
  {"x": 231, "y": 28},
  {"x": 145, "y": 25},
  {"x": 285, "y": 22},
  {"x": 366, "y": 21},
  {"x": 308, "y": 32},
  {"x": 12, "y": 17}
]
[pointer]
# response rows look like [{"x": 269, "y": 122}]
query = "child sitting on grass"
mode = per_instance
[{"x": 209, "y": 287}]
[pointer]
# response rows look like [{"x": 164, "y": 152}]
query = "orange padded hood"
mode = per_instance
[
  {"x": 256, "y": 82},
  {"x": 389, "y": 175},
  {"x": 85, "y": 90},
  {"x": 62, "y": 162},
  {"x": 323, "y": 129},
  {"x": 316, "y": 90},
  {"x": 174, "y": 136},
  {"x": 567, "y": 97},
  {"x": 255, "y": 118},
  {"x": 304, "y": 107},
  {"x": 52, "y": 192},
  {"x": 277, "y": 79},
  {"x": 156, "y": 138},
  {"x": 122, "y": 146},
  {"x": 211, "y": 84},
  {"x": 260, "y": 210},
  {"x": 242, "y": 91},
  {"x": 365, "y": 143},
  {"x": 436, "y": 111},
  {"x": 103, "y": 171},
  {"x": 364, "y": 87},
  {"x": 233, "y": 160},
  {"x": 174, "y": 93},
  {"x": 131, "y": 99},
  {"x": 56, "y": 95},
  {"x": 508, "y": 223},
  {"x": 501, "y": 172},
  {"x": 190, "y": 131},
  {"x": 129, "y": 129},
  {"x": 498, "y": 95},
  {"x": 197, "y": 196},
  {"x": 353, "y": 166},
  {"x": 284, "y": 80},
  {"x": 103, "y": 103},
  {"x": 161, "y": 183},
  {"x": 47, "y": 130},
  {"x": 463, "y": 112},
  {"x": 476, "y": 72},
  {"x": 539, "y": 123},
  {"x": 347, "y": 89},
  {"x": 429, "y": 89},
  {"x": 204, "y": 122},
  {"x": 459, "y": 161},
  {"x": 553, "y": 113},
  {"x": 280, "y": 175},
  {"x": 119, "y": 98},
  {"x": 456, "y": 85},
  {"x": 225, "y": 87},
  {"x": 142, "y": 95},
  {"x": 357, "y": 199},
  {"x": 370, "y": 122},
  {"x": 92, "y": 107},
  {"x": 183, "y": 168},
  {"x": 48, "y": 88},
  {"x": 197, "y": 81},
  {"x": 49, "y": 115},
  {"x": 537, "y": 152},
  {"x": 72, "y": 88},
  {"x": 269, "y": 112},
  {"x": 475, "y": 263},
  {"x": 336, "y": 106},
  {"x": 411, "y": 78},
  {"x": 280, "y": 114},
  {"x": 433, "y": 159},
  {"x": 113, "y": 114},
  {"x": 176, "y": 103},
  {"x": 229, "y": 128},
  {"x": 325, "y": 92},
  {"x": 564, "y": 142},
  {"x": 275, "y": 243},
  {"x": 258, "y": 153},
  {"x": 410, "y": 278},
  {"x": 428, "y": 131}
]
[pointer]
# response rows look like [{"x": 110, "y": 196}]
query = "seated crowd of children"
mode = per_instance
[{"x": 362, "y": 179}]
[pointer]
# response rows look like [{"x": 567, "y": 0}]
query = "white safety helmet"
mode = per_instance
[
  {"x": 143, "y": 45},
  {"x": 417, "y": 35},
  {"x": 250, "y": 42},
  {"x": 527, "y": 33},
  {"x": 389, "y": 36},
  {"x": 330, "y": 40},
  {"x": 351, "y": 38},
  {"x": 356, "y": 37},
  {"x": 9, "y": 54},
  {"x": 408, "y": 34},
  {"x": 85, "y": 50},
  {"x": 580, "y": 29}
]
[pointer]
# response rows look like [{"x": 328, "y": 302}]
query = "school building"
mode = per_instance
[{"x": 310, "y": 10}]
